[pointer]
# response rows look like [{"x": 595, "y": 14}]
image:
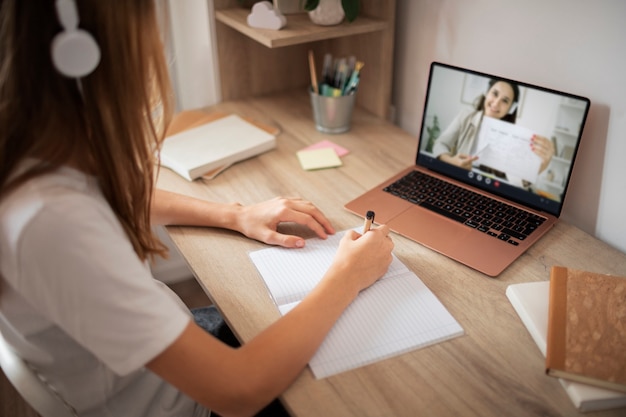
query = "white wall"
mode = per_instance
[
  {"x": 576, "y": 46},
  {"x": 193, "y": 54}
]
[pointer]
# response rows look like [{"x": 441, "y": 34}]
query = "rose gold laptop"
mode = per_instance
[{"x": 487, "y": 214}]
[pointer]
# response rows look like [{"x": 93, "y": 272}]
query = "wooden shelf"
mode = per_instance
[
  {"x": 299, "y": 28},
  {"x": 256, "y": 62}
]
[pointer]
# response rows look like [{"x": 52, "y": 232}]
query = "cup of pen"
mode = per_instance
[
  {"x": 332, "y": 113},
  {"x": 333, "y": 102}
]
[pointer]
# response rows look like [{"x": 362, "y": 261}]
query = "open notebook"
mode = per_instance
[
  {"x": 395, "y": 315},
  {"x": 485, "y": 215}
]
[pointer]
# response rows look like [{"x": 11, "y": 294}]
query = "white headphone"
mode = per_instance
[{"x": 75, "y": 52}]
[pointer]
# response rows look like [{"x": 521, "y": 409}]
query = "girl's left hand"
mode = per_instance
[{"x": 260, "y": 221}]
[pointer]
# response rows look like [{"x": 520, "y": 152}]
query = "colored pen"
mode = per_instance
[
  {"x": 353, "y": 82},
  {"x": 369, "y": 219}
]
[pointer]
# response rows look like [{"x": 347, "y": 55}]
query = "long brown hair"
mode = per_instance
[{"x": 108, "y": 130}]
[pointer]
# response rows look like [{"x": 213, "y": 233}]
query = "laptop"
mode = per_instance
[{"x": 503, "y": 191}]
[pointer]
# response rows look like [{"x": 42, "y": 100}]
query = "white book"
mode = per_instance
[
  {"x": 531, "y": 302},
  {"x": 395, "y": 315},
  {"x": 217, "y": 144}
]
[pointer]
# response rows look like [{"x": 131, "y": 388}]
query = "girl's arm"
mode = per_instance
[
  {"x": 257, "y": 221},
  {"x": 241, "y": 381}
]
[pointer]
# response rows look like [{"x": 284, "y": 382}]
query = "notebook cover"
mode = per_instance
[{"x": 586, "y": 331}]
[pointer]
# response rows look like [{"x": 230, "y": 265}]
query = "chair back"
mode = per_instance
[{"x": 35, "y": 391}]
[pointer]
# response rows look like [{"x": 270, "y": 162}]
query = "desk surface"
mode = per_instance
[{"x": 495, "y": 369}]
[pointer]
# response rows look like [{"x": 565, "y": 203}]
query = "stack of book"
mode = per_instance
[
  {"x": 202, "y": 144},
  {"x": 578, "y": 321}
]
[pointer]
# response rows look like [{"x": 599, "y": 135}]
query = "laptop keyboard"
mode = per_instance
[{"x": 495, "y": 218}]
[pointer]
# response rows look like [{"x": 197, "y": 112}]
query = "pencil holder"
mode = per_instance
[{"x": 332, "y": 114}]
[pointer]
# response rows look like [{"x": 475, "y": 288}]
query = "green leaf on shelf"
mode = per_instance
[{"x": 351, "y": 9}]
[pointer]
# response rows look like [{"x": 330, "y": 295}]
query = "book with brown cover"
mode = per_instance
[{"x": 587, "y": 328}]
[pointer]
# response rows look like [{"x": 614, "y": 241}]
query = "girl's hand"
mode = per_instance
[
  {"x": 260, "y": 221},
  {"x": 362, "y": 259}
]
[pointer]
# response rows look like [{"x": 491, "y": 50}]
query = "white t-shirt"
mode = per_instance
[{"x": 73, "y": 287}]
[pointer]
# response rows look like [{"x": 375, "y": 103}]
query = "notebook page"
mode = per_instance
[
  {"x": 395, "y": 315},
  {"x": 290, "y": 273}
]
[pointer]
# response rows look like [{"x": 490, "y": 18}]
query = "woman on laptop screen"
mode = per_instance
[{"x": 459, "y": 142}]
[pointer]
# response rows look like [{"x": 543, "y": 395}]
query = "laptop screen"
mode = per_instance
[{"x": 506, "y": 137}]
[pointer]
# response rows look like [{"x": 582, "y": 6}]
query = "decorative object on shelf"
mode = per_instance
[
  {"x": 332, "y": 12},
  {"x": 289, "y": 6},
  {"x": 264, "y": 16},
  {"x": 567, "y": 152}
]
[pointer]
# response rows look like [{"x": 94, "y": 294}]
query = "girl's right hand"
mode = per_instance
[{"x": 362, "y": 259}]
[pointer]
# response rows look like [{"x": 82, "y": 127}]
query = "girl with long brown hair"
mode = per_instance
[{"x": 78, "y": 141}]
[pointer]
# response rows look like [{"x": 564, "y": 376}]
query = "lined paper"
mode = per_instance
[{"x": 395, "y": 315}]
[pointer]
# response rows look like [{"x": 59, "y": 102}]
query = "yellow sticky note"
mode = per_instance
[{"x": 318, "y": 158}]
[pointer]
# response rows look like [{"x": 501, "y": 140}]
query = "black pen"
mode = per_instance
[
  {"x": 326, "y": 70},
  {"x": 369, "y": 219}
]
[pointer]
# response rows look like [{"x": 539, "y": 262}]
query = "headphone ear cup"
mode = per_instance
[{"x": 75, "y": 53}]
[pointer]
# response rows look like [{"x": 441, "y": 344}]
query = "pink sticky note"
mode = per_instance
[{"x": 340, "y": 150}]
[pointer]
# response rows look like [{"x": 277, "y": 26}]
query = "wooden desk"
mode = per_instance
[{"x": 495, "y": 369}]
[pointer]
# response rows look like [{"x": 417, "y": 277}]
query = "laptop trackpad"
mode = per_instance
[{"x": 430, "y": 229}]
